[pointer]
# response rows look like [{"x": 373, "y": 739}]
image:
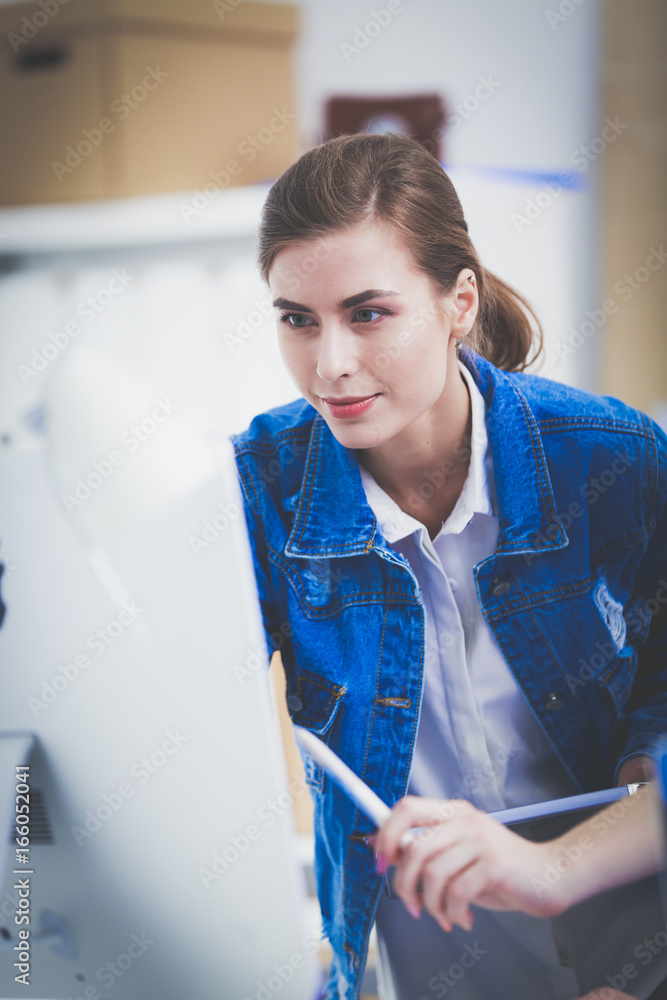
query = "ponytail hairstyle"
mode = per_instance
[{"x": 358, "y": 178}]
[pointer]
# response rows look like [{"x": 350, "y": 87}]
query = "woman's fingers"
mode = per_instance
[
  {"x": 410, "y": 812},
  {"x": 467, "y": 859},
  {"x": 444, "y": 844},
  {"x": 427, "y": 866},
  {"x": 605, "y": 993},
  {"x": 464, "y": 889},
  {"x": 442, "y": 876}
]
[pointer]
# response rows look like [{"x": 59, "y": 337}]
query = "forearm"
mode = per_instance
[{"x": 621, "y": 843}]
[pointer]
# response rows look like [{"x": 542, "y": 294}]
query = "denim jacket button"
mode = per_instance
[
  {"x": 500, "y": 587},
  {"x": 294, "y": 702},
  {"x": 553, "y": 702}
]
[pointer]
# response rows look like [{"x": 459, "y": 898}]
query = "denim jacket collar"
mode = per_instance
[{"x": 333, "y": 517}]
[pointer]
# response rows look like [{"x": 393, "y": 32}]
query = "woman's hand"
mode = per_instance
[
  {"x": 607, "y": 993},
  {"x": 639, "y": 768},
  {"x": 463, "y": 856}
]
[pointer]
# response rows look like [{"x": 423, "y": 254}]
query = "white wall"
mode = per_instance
[
  {"x": 541, "y": 59},
  {"x": 543, "y": 109}
]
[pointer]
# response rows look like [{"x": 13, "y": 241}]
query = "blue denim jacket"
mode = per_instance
[{"x": 575, "y": 593}]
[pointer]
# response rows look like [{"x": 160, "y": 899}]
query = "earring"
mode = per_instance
[
  {"x": 471, "y": 279},
  {"x": 459, "y": 341}
]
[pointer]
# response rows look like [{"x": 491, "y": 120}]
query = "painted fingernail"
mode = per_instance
[
  {"x": 413, "y": 911},
  {"x": 380, "y": 864}
]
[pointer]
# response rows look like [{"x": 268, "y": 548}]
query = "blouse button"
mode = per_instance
[
  {"x": 500, "y": 587},
  {"x": 553, "y": 702},
  {"x": 294, "y": 702},
  {"x": 453, "y": 583}
]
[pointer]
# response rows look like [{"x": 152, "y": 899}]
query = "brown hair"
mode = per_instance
[{"x": 356, "y": 178}]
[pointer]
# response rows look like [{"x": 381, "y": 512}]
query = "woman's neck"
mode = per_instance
[{"x": 424, "y": 468}]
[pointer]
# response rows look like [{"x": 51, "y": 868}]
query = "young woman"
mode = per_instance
[{"x": 463, "y": 565}]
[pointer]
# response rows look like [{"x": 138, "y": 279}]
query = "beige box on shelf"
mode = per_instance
[{"x": 115, "y": 98}]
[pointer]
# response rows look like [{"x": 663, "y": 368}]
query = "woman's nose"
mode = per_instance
[{"x": 337, "y": 353}]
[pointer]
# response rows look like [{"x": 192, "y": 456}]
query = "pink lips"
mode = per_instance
[{"x": 348, "y": 406}]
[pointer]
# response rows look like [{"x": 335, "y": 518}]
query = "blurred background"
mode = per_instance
[{"x": 140, "y": 138}]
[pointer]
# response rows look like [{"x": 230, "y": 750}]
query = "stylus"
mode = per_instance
[
  {"x": 376, "y": 809},
  {"x": 358, "y": 790}
]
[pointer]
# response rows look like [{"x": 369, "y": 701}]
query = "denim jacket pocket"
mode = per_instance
[
  {"x": 313, "y": 701},
  {"x": 617, "y": 679}
]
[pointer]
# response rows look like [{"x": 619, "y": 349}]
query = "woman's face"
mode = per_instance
[{"x": 362, "y": 334}]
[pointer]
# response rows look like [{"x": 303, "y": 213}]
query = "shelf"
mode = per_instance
[{"x": 148, "y": 221}]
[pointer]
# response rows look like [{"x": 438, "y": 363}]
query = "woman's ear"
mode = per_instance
[{"x": 466, "y": 302}]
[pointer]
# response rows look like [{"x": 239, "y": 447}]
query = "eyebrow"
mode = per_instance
[{"x": 353, "y": 300}]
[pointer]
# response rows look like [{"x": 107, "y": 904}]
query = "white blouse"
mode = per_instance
[{"x": 478, "y": 739}]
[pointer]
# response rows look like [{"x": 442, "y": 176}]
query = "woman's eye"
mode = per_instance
[
  {"x": 366, "y": 315},
  {"x": 298, "y": 321},
  {"x": 298, "y": 318}
]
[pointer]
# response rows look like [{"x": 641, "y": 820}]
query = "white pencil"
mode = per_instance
[
  {"x": 376, "y": 809},
  {"x": 351, "y": 783}
]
